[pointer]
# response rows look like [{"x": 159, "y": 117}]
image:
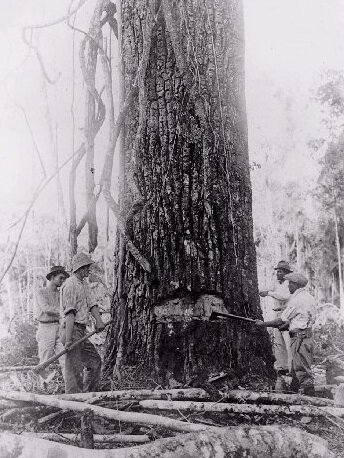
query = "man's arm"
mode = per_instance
[
  {"x": 280, "y": 293},
  {"x": 99, "y": 322},
  {"x": 270, "y": 324},
  {"x": 282, "y": 296},
  {"x": 70, "y": 318}
]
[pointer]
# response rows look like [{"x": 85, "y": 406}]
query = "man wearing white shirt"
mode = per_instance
[
  {"x": 281, "y": 345},
  {"x": 299, "y": 315}
]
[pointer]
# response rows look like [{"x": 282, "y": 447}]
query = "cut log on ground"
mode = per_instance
[
  {"x": 275, "y": 398},
  {"x": 19, "y": 412},
  {"x": 198, "y": 394},
  {"x": 264, "y": 441},
  {"x": 125, "y": 417},
  {"x": 86, "y": 430},
  {"x": 188, "y": 393},
  {"x": 246, "y": 409},
  {"x": 106, "y": 438},
  {"x": 10, "y": 404}
]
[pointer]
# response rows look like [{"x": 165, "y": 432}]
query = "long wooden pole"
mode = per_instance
[
  {"x": 216, "y": 315},
  {"x": 42, "y": 366}
]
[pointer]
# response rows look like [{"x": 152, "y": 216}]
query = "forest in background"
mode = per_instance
[{"x": 298, "y": 220}]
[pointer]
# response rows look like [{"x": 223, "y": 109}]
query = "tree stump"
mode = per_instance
[{"x": 86, "y": 430}]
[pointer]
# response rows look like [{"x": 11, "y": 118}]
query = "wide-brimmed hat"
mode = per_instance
[
  {"x": 55, "y": 270},
  {"x": 284, "y": 265},
  {"x": 297, "y": 278},
  {"x": 81, "y": 260}
]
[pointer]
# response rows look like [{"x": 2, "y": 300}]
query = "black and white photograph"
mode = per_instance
[{"x": 171, "y": 229}]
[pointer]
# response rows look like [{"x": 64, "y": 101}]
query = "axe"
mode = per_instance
[
  {"x": 215, "y": 315},
  {"x": 47, "y": 363}
]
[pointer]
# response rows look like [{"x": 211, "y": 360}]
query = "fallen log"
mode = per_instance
[
  {"x": 245, "y": 409},
  {"x": 33, "y": 411},
  {"x": 269, "y": 441},
  {"x": 275, "y": 398},
  {"x": 197, "y": 394},
  {"x": 10, "y": 404},
  {"x": 119, "y": 415},
  {"x": 106, "y": 438},
  {"x": 188, "y": 393}
]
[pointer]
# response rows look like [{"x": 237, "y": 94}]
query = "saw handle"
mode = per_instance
[{"x": 215, "y": 315}]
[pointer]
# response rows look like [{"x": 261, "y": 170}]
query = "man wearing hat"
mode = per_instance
[
  {"x": 76, "y": 304},
  {"x": 299, "y": 315},
  {"x": 47, "y": 313},
  {"x": 280, "y": 293}
]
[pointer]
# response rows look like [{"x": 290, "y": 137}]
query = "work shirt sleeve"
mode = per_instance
[
  {"x": 69, "y": 299},
  {"x": 289, "y": 313}
]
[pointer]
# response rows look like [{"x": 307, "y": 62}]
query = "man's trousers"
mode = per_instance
[
  {"x": 302, "y": 358},
  {"x": 49, "y": 344},
  {"x": 82, "y": 363},
  {"x": 281, "y": 350}
]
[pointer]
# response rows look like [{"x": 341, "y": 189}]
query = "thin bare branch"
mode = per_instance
[
  {"x": 33, "y": 140},
  {"x": 90, "y": 208},
  {"x": 67, "y": 16},
  {"x": 80, "y": 153},
  {"x": 39, "y": 57},
  {"x": 17, "y": 242}
]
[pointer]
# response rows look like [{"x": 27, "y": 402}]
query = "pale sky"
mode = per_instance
[{"x": 288, "y": 45}]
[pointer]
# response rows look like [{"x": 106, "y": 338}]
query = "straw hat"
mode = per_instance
[
  {"x": 81, "y": 260},
  {"x": 297, "y": 278}
]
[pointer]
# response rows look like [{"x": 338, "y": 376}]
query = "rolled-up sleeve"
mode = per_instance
[{"x": 69, "y": 302}]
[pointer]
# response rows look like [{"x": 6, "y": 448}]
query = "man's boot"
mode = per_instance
[{"x": 307, "y": 391}]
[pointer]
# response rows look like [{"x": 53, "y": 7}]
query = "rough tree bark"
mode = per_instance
[
  {"x": 272, "y": 441},
  {"x": 186, "y": 197}
]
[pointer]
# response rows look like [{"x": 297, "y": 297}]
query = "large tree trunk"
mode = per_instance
[{"x": 187, "y": 196}]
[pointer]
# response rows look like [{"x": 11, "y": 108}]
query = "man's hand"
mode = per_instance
[
  {"x": 68, "y": 344},
  {"x": 263, "y": 293},
  {"x": 259, "y": 323}
]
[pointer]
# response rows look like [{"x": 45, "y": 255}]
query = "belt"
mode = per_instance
[
  {"x": 307, "y": 333},
  {"x": 80, "y": 325},
  {"x": 49, "y": 322}
]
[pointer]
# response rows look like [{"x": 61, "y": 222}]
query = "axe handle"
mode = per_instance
[
  {"x": 46, "y": 363},
  {"x": 230, "y": 315}
]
